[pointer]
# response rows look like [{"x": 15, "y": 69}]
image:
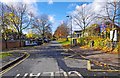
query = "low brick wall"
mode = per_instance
[
  {"x": 11, "y": 44},
  {"x": 0, "y": 46}
]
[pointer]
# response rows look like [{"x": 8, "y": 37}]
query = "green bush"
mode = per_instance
[
  {"x": 99, "y": 43},
  {"x": 81, "y": 41},
  {"x": 84, "y": 41},
  {"x": 117, "y": 48}
]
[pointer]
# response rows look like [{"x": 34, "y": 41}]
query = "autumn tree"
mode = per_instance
[
  {"x": 32, "y": 35},
  {"x": 4, "y": 22},
  {"x": 62, "y": 31},
  {"x": 20, "y": 18}
]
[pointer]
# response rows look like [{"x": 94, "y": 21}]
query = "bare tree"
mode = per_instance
[
  {"x": 45, "y": 23},
  {"x": 112, "y": 14},
  {"x": 83, "y": 17},
  {"x": 36, "y": 26},
  {"x": 112, "y": 10},
  {"x": 42, "y": 25},
  {"x": 48, "y": 31}
]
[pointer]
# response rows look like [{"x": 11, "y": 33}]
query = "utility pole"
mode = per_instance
[{"x": 71, "y": 29}]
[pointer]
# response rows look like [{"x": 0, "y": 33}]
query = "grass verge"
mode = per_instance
[
  {"x": 3, "y": 55},
  {"x": 63, "y": 41},
  {"x": 65, "y": 44}
]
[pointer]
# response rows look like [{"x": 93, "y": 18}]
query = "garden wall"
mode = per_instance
[{"x": 11, "y": 44}]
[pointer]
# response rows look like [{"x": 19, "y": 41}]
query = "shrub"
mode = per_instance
[
  {"x": 117, "y": 48},
  {"x": 82, "y": 41}
]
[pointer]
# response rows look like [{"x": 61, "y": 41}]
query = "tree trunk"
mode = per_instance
[
  {"x": 5, "y": 39},
  {"x": 66, "y": 39},
  {"x": 6, "y": 46},
  {"x": 83, "y": 32},
  {"x": 19, "y": 40}
]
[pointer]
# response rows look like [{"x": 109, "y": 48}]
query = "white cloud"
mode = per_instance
[
  {"x": 29, "y": 1},
  {"x": 33, "y": 8},
  {"x": 61, "y": 22},
  {"x": 88, "y": 13},
  {"x": 50, "y": 1},
  {"x": 51, "y": 18},
  {"x": 26, "y": 1},
  {"x": 31, "y": 4},
  {"x": 71, "y": 5},
  {"x": 77, "y": 7},
  {"x": 98, "y": 5},
  {"x": 105, "y": 0},
  {"x": 7, "y": 1}
]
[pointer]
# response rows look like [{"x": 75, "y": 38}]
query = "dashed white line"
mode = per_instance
[
  {"x": 37, "y": 75},
  {"x": 26, "y": 74}
]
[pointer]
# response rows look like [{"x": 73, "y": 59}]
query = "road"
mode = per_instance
[{"x": 50, "y": 60}]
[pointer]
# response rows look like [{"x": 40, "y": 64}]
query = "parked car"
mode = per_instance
[
  {"x": 49, "y": 40},
  {"x": 30, "y": 43},
  {"x": 39, "y": 41},
  {"x": 34, "y": 43},
  {"x": 45, "y": 40}
]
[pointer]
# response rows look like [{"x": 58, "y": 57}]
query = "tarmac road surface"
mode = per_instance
[{"x": 52, "y": 61}]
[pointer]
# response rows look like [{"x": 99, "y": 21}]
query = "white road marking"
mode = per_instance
[
  {"x": 65, "y": 74},
  {"x": 26, "y": 74},
  {"x": 75, "y": 72},
  {"x": 31, "y": 75},
  {"x": 17, "y": 75},
  {"x": 52, "y": 74}
]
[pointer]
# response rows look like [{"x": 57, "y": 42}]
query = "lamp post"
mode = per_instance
[{"x": 71, "y": 29}]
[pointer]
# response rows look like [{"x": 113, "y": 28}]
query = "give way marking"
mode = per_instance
[{"x": 51, "y": 74}]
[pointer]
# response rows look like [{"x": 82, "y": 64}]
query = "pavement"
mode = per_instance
[
  {"x": 52, "y": 61},
  {"x": 14, "y": 55},
  {"x": 107, "y": 58}
]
